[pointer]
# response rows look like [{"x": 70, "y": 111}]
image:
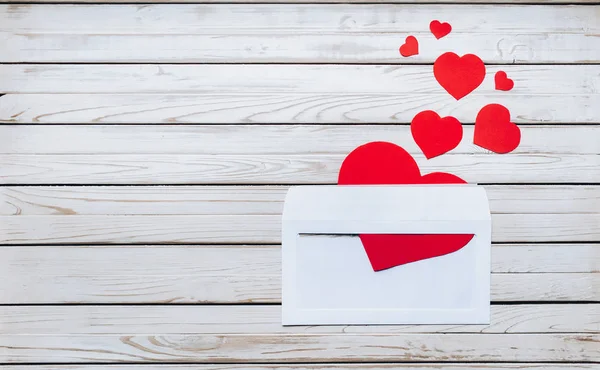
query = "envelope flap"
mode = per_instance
[{"x": 385, "y": 203}]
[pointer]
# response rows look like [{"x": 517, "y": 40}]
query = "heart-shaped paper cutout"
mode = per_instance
[
  {"x": 386, "y": 163},
  {"x": 494, "y": 131},
  {"x": 459, "y": 76},
  {"x": 410, "y": 47},
  {"x": 439, "y": 29},
  {"x": 502, "y": 81},
  {"x": 435, "y": 135}
]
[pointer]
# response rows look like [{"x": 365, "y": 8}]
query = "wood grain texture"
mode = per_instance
[
  {"x": 238, "y": 274},
  {"x": 265, "y": 154},
  {"x": 266, "y": 139},
  {"x": 216, "y": 348},
  {"x": 253, "y": 200},
  {"x": 258, "y": 169},
  {"x": 274, "y": 33},
  {"x": 283, "y": 93},
  {"x": 124, "y": 215},
  {"x": 207, "y": 229},
  {"x": 283, "y": 108},
  {"x": 259, "y": 319}
]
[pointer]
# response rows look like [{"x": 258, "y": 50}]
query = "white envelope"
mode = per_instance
[{"x": 327, "y": 276}]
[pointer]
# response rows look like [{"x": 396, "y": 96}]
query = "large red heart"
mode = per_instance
[
  {"x": 459, "y": 76},
  {"x": 386, "y": 163},
  {"x": 494, "y": 131},
  {"x": 435, "y": 135}
]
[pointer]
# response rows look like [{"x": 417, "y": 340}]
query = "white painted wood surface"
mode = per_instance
[
  {"x": 291, "y": 348},
  {"x": 295, "y": 93},
  {"x": 252, "y": 107},
  {"x": 294, "y": 33},
  {"x": 267, "y": 154},
  {"x": 257, "y": 319},
  {"x": 147, "y": 111},
  {"x": 25, "y": 201},
  {"x": 252, "y": 274},
  {"x": 31, "y": 215},
  {"x": 204, "y": 229}
]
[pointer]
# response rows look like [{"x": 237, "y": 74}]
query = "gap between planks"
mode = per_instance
[{"x": 321, "y": 366}]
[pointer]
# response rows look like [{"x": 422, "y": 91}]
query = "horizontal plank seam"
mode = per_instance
[
  {"x": 69, "y": 365},
  {"x": 168, "y": 363},
  {"x": 87, "y": 244},
  {"x": 274, "y": 63},
  {"x": 83, "y": 185},
  {"x": 7, "y": 123},
  {"x": 54, "y": 304}
]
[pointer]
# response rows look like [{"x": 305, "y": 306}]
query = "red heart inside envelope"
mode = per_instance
[{"x": 382, "y": 163}]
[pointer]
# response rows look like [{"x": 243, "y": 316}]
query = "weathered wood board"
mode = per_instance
[
  {"x": 252, "y": 274},
  {"x": 284, "y": 93},
  {"x": 267, "y": 154},
  {"x": 268, "y": 33}
]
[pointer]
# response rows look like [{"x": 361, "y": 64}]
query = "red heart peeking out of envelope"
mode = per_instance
[{"x": 382, "y": 163}]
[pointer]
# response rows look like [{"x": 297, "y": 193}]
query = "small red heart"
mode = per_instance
[
  {"x": 459, "y": 76},
  {"x": 387, "y": 163},
  {"x": 410, "y": 47},
  {"x": 439, "y": 29},
  {"x": 435, "y": 135},
  {"x": 494, "y": 131},
  {"x": 503, "y": 82}
]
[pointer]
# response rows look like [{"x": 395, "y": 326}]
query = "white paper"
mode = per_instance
[{"x": 328, "y": 279}]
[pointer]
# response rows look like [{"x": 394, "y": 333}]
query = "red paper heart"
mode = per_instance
[
  {"x": 503, "y": 82},
  {"x": 459, "y": 76},
  {"x": 410, "y": 47},
  {"x": 494, "y": 131},
  {"x": 439, "y": 29},
  {"x": 435, "y": 135},
  {"x": 387, "y": 163}
]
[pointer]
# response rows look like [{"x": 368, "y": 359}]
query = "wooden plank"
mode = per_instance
[
  {"x": 266, "y": 154},
  {"x": 273, "y": 33},
  {"x": 259, "y": 319},
  {"x": 265, "y": 139},
  {"x": 207, "y": 229},
  {"x": 546, "y": 258},
  {"x": 174, "y": 260},
  {"x": 253, "y": 79},
  {"x": 234, "y": 274},
  {"x": 54, "y": 215},
  {"x": 253, "y": 200},
  {"x": 307, "y": 168},
  {"x": 283, "y": 93},
  {"x": 282, "y": 108},
  {"x": 313, "y": 348},
  {"x": 410, "y": 366}
]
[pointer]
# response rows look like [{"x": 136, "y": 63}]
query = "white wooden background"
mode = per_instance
[{"x": 145, "y": 151}]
